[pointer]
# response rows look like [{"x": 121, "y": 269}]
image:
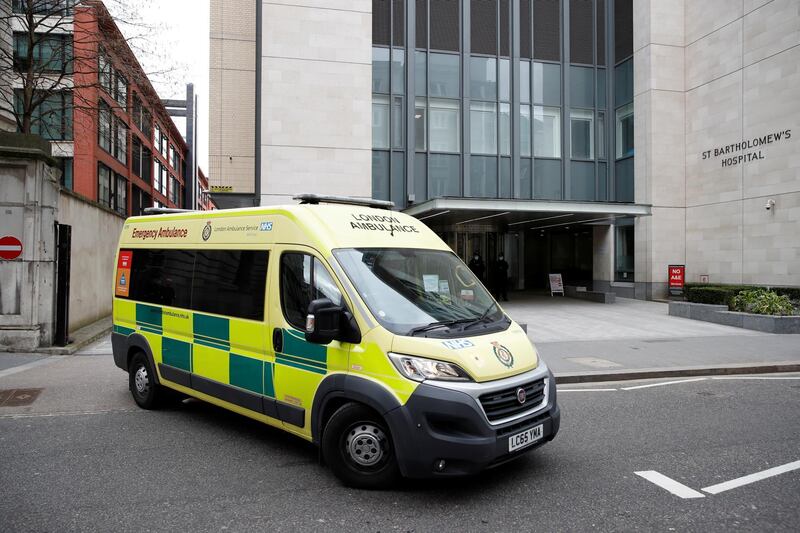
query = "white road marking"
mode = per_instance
[
  {"x": 752, "y": 478},
  {"x": 32, "y": 364},
  {"x": 756, "y": 377},
  {"x": 663, "y": 383},
  {"x": 669, "y": 484},
  {"x": 585, "y": 390}
]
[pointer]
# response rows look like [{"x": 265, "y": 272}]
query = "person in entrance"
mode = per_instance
[
  {"x": 477, "y": 266},
  {"x": 499, "y": 276}
]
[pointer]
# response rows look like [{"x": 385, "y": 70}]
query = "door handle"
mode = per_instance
[{"x": 277, "y": 340}]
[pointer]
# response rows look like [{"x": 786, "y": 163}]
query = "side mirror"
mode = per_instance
[
  {"x": 323, "y": 321},
  {"x": 326, "y": 322}
]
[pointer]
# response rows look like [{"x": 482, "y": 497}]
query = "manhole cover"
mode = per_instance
[{"x": 18, "y": 397}]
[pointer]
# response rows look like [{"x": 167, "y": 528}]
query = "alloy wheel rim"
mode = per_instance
[{"x": 141, "y": 380}]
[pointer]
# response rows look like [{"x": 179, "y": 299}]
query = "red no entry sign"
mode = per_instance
[{"x": 10, "y": 247}]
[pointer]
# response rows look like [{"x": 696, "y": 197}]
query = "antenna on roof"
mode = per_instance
[{"x": 314, "y": 199}]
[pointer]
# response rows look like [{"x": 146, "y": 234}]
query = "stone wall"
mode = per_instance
[
  {"x": 708, "y": 77},
  {"x": 316, "y": 71},
  {"x": 95, "y": 236},
  {"x": 232, "y": 89}
]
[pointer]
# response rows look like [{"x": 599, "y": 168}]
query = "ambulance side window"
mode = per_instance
[{"x": 304, "y": 279}]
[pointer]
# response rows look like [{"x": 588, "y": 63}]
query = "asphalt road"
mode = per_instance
[{"x": 84, "y": 457}]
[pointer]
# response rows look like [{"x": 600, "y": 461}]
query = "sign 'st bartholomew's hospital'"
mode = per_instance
[{"x": 601, "y": 139}]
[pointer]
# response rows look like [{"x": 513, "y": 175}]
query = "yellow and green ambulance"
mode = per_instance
[{"x": 338, "y": 320}]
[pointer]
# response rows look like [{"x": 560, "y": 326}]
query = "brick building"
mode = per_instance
[{"x": 116, "y": 143}]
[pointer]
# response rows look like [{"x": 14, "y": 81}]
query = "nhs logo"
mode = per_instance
[
  {"x": 458, "y": 344},
  {"x": 266, "y": 226}
]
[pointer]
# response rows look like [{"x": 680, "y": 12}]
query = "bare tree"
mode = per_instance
[{"x": 57, "y": 49}]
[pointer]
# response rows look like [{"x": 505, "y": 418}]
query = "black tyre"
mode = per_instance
[
  {"x": 142, "y": 383},
  {"x": 357, "y": 446}
]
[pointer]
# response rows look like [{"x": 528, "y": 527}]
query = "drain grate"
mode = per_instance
[{"x": 18, "y": 397}]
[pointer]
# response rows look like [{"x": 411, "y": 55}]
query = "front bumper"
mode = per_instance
[{"x": 446, "y": 424}]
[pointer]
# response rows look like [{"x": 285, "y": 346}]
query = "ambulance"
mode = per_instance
[{"x": 338, "y": 320}]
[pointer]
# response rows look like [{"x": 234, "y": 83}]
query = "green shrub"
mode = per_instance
[
  {"x": 724, "y": 294},
  {"x": 762, "y": 302}
]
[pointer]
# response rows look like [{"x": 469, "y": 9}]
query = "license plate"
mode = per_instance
[{"x": 526, "y": 438}]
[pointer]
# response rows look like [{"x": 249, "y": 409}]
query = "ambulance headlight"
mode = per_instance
[{"x": 420, "y": 368}]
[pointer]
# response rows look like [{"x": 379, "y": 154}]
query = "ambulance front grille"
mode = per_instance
[{"x": 503, "y": 404}]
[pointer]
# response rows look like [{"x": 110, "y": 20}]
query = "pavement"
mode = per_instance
[
  {"x": 702, "y": 454},
  {"x": 588, "y": 341}
]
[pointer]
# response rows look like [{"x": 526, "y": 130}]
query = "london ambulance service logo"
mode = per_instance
[
  {"x": 207, "y": 231},
  {"x": 503, "y": 355}
]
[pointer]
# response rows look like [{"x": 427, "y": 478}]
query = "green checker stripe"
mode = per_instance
[
  {"x": 148, "y": 318},
  {"x": 288, "y": 362},
  {"x": 212, "y": 331},
  {"x": 269, "y": 385},
  {"x": 123, "y": 330},
  {"x": 176, "y": 353},
  {"x": 246, "y": 372},
  {"x": 295, "y": 345}
]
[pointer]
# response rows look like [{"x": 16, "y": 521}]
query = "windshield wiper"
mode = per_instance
[
  {"x": 482, "y": 317},
  {"x": 436, "y": 325}
]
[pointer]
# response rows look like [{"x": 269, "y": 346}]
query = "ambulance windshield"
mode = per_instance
[{"x": 421, "y": 292}]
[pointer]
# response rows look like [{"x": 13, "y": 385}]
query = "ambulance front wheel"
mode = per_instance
[
  {"x": 357, "y": 446},
  {"x": 142, "y": 382}
]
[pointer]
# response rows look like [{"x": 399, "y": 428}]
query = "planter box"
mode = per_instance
[
  {"x": 593, "y": 296},
  {"x": 719, "y": 314}
]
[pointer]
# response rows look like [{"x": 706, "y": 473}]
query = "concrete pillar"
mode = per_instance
[
  {"x": 602, "y": 257},
  {"x": 28, "y": 207},
  {"x": 660, "y": 173}
]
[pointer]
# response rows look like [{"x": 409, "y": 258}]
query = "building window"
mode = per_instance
[
  {"x": 121, "y": 91},
  {"x": 421, "y": 125},
  {"x": 104, "y": 118},
  {"x": 141, "y": 117},
  {"x": 445, "y": 75},
  {"x": 156, "y": 136},
  {"x": 164, "y": 144},
  {"x": 623, "y": 246},
  {"x": 546, "y": 84},
  {"x": 601, "y": 135},
  {"x": 445, "y": 125},
  {"x": 624, "y": 129},
  {"x": 136, "y": 156},
  {"x": 105, "y": 71},
  {"x": 380, "y": 121},
  {"x": 52, "y": 118},
  {"x": 121, "y": 195},
  {"x": 121, "y": 144},
  {"x": 51, "y": 7},
  {"x": 380, "y": 70},
  {"x": 66, "y": 173},
  {"x": 483, "y": 127},
  {"x": 483, "y": 78},
  {"x": 444, "y": 173},
  {"x": 51, "y": 53},
  {"x": 483, "y": 26},
  {"x": 546, "y": 131},
  {"x": 581, "y": 134},
  {"x": 525, "y": 130},
  {"x": 105, "y": 185}
]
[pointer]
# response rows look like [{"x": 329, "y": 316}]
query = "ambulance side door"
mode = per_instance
[{"x": 300, "y": 276}]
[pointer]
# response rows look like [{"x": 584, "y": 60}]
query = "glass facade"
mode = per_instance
[{"x": 484, "y": 123}]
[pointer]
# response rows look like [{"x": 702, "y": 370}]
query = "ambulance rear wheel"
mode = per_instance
[
  {"x": 357, "y": 446},
  {"x": 142, "y": 382}
]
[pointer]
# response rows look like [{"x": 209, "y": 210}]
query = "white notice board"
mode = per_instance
[{"x": 556, "y": 284}]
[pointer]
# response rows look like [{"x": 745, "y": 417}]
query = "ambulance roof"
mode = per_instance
[{"x": 322, "y": 226}]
